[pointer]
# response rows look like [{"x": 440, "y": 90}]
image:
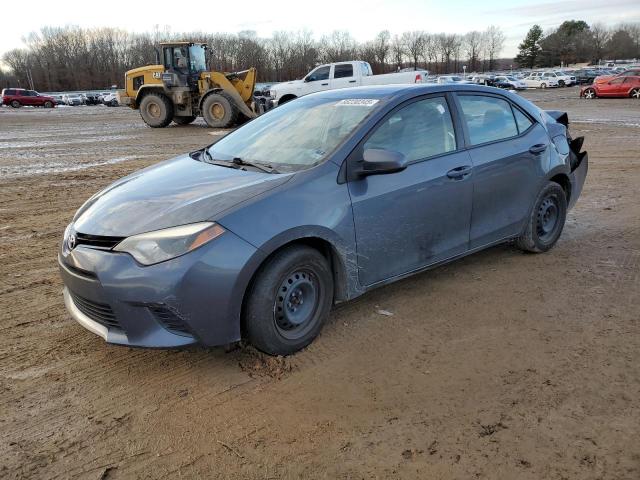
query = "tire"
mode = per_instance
[
  {"x": 276, "y": 318},
  {"x": 156, "y": 110},
  {"x": 15, "y": 104},
  {"x": 543, "y": 85},
  {"x": 561, "y": 83},
  {"x": 48, "y": 105},
  {"x": 635, "y": 93},
  {"x": 546, "y": 220},
  {"x": 589, "y": 93},
  {"x": 183, "y": 120},
  {"x": 219, "y": 110}
]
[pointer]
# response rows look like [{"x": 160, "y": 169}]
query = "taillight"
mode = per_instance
[{"x": 418, "y": 78}]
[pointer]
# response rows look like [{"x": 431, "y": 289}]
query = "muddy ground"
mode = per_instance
[{"x": 502, "y": 365}]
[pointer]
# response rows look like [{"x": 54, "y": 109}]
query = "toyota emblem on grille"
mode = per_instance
[{"x": 71, "y": 241}]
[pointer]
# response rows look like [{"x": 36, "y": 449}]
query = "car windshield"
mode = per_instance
[{"x": 296, "y": 135}]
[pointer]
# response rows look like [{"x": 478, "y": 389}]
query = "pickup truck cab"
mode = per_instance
[{"x": 333, "y": 76}]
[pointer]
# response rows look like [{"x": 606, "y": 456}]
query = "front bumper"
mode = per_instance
[{"x": 192, "y": 299}]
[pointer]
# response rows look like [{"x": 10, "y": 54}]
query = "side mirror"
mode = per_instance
[{"x": 376, "y": 161}]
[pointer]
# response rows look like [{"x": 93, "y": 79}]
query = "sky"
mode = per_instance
[{"x": 363, "y": 19}]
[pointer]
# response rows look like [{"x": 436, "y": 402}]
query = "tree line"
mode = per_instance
[
  {"x": 574, "y": 41},
  {"x": 74, "y": 58}
]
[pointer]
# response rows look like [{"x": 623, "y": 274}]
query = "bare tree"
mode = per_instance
[
  {"x": 494, "y": 44},
  {"x": 397, "y": 52},
  {"x": 414, "y": 44},
  {"x": 472, "y": 48},
  {"x": 381, "y": 48}
]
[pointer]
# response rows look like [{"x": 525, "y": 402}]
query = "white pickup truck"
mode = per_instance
[{"x": 339, "y": 75}]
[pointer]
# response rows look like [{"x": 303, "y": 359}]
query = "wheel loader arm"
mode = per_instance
[{"x": 240, "y": 87}]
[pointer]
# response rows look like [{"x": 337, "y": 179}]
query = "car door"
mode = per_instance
[
  {"x": 419, "y": 216},
  {"x": 613, "y": 87},
  {"x": 343, "y": 76},
  {"x": 506, "y": 147},
  {"x": 318, "y": 79}
]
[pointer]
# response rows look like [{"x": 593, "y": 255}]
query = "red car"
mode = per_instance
[
  {"x": 632, "y": 72},
  {"x": 619, "y": 86},
  {"x": 17, "y": 97}
]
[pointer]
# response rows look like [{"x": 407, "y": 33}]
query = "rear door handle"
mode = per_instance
[
  {"x": 538, "y": 148},
  {"x": 324, "y": 84},
  {"x": 459, "y": 173},
  {"x": 352, "y": 81}
]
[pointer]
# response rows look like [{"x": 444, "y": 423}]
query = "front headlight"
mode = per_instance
[
  {"x": 273, "y": 93},
  {"x": 155, "y": 247}
]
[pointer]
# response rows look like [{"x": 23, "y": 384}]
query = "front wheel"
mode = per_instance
[
  {"x": 543, "y": 85},
  {"x": 561, "y": 83},
  {"x": 219, "y": 110},
  {"x": 289, "y": 301},
  {"x": 48, "y": 105},
  {"x": 589, "y": 93},
  {"x": 546, "y": 220},
  {"x": 635, "y": 93}
]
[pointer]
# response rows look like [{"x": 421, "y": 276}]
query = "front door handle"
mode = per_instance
[
  {"x": 352, "y": 81},
  {"x": 459, "y": 173},
  {"x": 324, "y": 84},
  {"x": 538, "y": 148}
]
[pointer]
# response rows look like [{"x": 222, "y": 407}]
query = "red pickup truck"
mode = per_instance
[{"x": 17, "y": 97}]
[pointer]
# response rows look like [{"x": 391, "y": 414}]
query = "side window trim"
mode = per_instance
[
  {"x": 358, "y": 150},
  {"x": 468, "y": 144}
]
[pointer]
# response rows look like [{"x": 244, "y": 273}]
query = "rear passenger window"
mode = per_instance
[
  {"x": 522, "y": 120},
  {"x": 420, "y": 130},
  {"x": 342, "y": 71},
  {"x": 488, "y": 118}
]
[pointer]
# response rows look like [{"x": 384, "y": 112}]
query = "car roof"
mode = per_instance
[{"x": 393, "y": 91}]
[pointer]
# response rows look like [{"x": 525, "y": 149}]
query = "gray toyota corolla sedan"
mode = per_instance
[{"x": 312, "y": 204}]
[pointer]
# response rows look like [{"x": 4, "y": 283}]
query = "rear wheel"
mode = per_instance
[
  {"x": 589, "y": 93},
  {"x": 156, "y": 110},
  {"x": 16, "y": 104},
  {"x": 219, "y": 110},
  {"x": 546, "y": 220},
  {"x": 635, "y": 93},
  {"x": 183, "y": 120},
  {"x": 289, "y": 301}
]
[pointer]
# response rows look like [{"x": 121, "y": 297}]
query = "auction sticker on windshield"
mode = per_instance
[{"x": 359, "y": 102}]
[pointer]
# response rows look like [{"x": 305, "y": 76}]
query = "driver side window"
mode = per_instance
[
  {"x": 321, "y": 73},
  {"x": 420, "y": 130}
]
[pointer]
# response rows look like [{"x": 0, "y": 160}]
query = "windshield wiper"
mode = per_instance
[{"x": 265, "y": 167}]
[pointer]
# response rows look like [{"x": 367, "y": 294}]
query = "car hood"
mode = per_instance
[{"x": 176, "y": 192}]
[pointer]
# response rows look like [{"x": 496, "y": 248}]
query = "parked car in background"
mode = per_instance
[
  {"x": 333, "y": 76},
  {"x": 509, "y": 82},
  {"x": 315, "y": 203},
  {"x": 620, "y": 86},
  {"x": 19, "y": 97},
  {"x": 585, "y": 76},
  {"x": 452, "y": 79},
  {"x": 110, "y": 99},
  {"x": 91, "y": 99},
  {"x": 58, "y": 99},
  {"x": 73, "y": 99},
  {"x": 565, "y": 79},
  {"x": 541, "y": 80}
]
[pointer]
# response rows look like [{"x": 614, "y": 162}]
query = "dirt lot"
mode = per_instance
[{"x": 502, "y": 365}]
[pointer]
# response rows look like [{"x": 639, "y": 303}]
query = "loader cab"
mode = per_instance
[{"x": 183, "y": 63}]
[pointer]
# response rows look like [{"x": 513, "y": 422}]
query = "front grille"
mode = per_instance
[
  {"x": 97, "y": 241},
  {"x": 170, "y": 320},
  {"x": 98, "y": 312}
]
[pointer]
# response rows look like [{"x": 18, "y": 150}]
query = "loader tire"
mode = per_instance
[
  {"x": 219, "y": 110},
  {"x": 183, "y": 120},
  {"x": 156, "y": 110}
]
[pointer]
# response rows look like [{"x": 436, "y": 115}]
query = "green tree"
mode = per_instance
[{"x": 530, "y": 48}]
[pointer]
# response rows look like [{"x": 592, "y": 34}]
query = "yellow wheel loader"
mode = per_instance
[{"x": 180, "y": 89}]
